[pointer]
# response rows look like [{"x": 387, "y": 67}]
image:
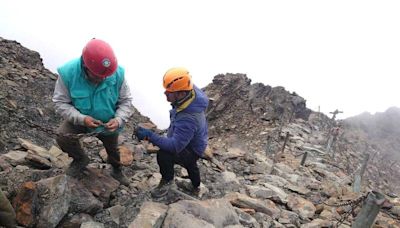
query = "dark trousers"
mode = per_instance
[
  {"x": 73, "y": 146},
  {"x": 185, "y": 158},
  {"x": 7, "y": 213}
]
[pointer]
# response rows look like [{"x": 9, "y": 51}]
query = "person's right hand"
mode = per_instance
[
  {"x": 143, "y": 133},
  {"x": 91, "y": 123}
]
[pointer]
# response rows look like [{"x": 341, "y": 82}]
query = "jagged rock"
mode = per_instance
[
  {"x": 76, "y": 220},
  {"x": 25, "y": 204},
  {"x": 59, "y": 158},
  {"x": 37, "y": 161},
  {"x": 150, "y": 182},
  {"x": 139, "y": 152},
  {"x": 40, "y": 151},
  {"x": 329, "y": 214},
  {"x": 82, "y": 201},
  {"x": 15, "y": 157},
  {"x": 4, "y": 165},
  {"x": 151, "y": 215},
  {"x": 282, "y": 196},
  {"x": 265, "y": 206},
  {"x": 254, "y": 99},
  {"x": 115, "y": 212},
  {"x": 298, "y": 189},
  {"x": 246, "y": 219},
  {"x": 12, "y": 180},
  {"x": 260, "y": 167},
  {"x": 234, "y": 152},
  {"x": 276, "y": 180},
  {"x": 310, "y": 149},
  {"x": 265, "y": 220},
  {"x": 54, "y": 196},
  {"x": 91, "y": 224},
  {"x": 99, "y": 184},
  {"x": 396, "y": 211},
  {"x": 266, "y": 193},
  {"x": 148, "y": 125},
  {"x": 316, "y": 223},
  {"x": 228, "y": 177},
  {"x": 208, "y": 213},
  {"x": 125, "y": 153},
  {"x": 301, "y": 206},
  {"x": 44, "y": 203},
  {"x": 289, "y": 218},
  {"x": 150, "y": 148},
  {"x": 385, "y": 221}
]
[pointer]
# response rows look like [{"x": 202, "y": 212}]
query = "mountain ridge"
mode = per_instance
[{"x": 258, "y": 134}]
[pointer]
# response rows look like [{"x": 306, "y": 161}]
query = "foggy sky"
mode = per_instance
[{"x": 335, "y": 54}]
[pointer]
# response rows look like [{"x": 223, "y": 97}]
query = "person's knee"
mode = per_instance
[
  {"x": 7, "y": 214},
  {"x": 60, "y": 140},
  {"x": 163, "y": 155},
  {"x": 8, "y": 219}
]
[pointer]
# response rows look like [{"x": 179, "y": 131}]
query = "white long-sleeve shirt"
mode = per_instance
[{"x": 64, "y": 107}]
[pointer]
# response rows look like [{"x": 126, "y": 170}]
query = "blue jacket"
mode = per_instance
[
  {"x": 99, "y": 102},
  {"x": 188, "y": 128}
]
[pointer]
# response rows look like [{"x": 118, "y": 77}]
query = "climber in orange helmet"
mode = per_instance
[{"x": 187, "y": 135}]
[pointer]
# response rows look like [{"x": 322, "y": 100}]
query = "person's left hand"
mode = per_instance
[
  {"x": 143, "y": 133},
  {"x": 112, "y": 125}
]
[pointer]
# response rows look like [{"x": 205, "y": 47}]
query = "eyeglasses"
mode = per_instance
[{"x": 91, "y": 76}]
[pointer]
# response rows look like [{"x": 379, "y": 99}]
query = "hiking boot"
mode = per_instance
[
  {"x": 188, "y": 187},
  {"x": 162, "y": 189},
  {"x": 77, "y": 167},
  {"x": 119, "y": 176}
]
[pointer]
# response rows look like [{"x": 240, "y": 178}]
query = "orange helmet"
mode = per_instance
[
  {"x": 177, "y": 79},
  {"x": 99, "y": 58}
]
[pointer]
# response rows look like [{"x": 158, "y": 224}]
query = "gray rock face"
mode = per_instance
[
  {"x": 208, "y": 213},
  {"x": 26, "y": 88},
  {"x": 231, "y": 92},
  {"x": 82, "y": 200},
  {"x": 54, "y": 196},
  {"x": 151, "y": 215}
]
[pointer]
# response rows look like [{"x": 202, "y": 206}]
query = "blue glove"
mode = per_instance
[{"x": 143, "y": 133}]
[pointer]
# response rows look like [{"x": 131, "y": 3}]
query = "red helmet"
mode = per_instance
[{"x": 99, "y": 58}]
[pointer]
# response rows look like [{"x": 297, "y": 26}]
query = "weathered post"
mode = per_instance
[
  {"x": 268, "y": 146},
  {"x": 373, "y": 155},
  {"x": 369, "y": 210},
  {"x": 393, "y": 163},
  {"x": 358, "y": 177},
  {"x": 329, "y": 143},
  {"x": 292, "y": 115},
  {"x": 277, "y": 153},
  {"x": 284, "y": 143},
  {"x": 335, "y": 113},
  {"x": 303, "y": 159}
]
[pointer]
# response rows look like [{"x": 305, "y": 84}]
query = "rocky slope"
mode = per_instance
[
  {"x": 258, "y": 136},
  {"x": 380, "y": 129}
]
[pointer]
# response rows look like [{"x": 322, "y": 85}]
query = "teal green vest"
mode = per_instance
[{"x": 98, "y": 101}]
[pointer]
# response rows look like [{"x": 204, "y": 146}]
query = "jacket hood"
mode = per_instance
[{"x": 200, "y": 103}]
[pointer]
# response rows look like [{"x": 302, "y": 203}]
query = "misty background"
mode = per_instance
[{"x": 341, "y": 54}]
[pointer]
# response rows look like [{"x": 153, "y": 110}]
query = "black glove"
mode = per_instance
[{"x": 143, "y": 133}]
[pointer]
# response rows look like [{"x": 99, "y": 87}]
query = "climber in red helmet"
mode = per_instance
[{"x": 92, "y": 94}]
